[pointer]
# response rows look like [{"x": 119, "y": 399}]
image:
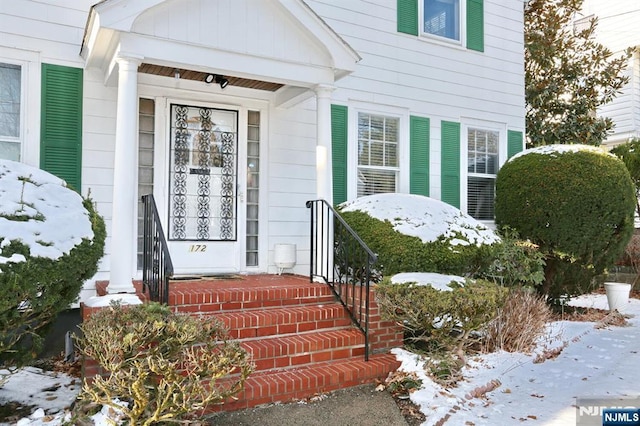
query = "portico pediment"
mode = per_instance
[{"x": 282, "y": 41}]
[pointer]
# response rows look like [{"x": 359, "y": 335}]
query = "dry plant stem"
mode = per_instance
[{"x": 163, "y": 365}]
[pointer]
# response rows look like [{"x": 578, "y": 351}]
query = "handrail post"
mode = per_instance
[
  {"x": 157, "y": 267},
  {"x": 342, "y": 260}
]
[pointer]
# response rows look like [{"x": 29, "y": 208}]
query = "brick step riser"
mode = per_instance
[
  {"x": 224, "y": 298},
  {"x": 274, "y": 322},
  {"x": 210, "y": 307},
  {"x": 293, "y": 351},
  {"x": 302, "y": 383}
]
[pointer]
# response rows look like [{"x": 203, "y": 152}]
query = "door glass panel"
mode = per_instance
[{"x": 203, "y": 174}]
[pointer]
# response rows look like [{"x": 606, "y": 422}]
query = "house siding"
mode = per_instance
[
  {"x": 617, "y": 30},
  {"x": 428, "y": 82},
  {"x": 415, "y": 73}
]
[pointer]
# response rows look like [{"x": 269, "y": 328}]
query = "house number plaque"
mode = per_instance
[{"x": 197, "y": 248}]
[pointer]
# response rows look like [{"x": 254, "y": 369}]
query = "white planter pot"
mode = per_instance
[
  {"x": 617, "y": 295},
  {"x": 284, "y": 256}
]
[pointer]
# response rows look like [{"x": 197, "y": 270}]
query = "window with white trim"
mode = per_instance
[
  {"x": 482, "y": 168},
  {"x": 10, "y": 111},
  {"x": 378, "y": 163},
  {"x": 442, "y": 18}
]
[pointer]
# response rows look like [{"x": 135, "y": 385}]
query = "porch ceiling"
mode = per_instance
[{"x": 188, "y": 74}]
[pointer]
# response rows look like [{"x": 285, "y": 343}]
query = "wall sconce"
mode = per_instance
[{"x": 214, "y": 78}]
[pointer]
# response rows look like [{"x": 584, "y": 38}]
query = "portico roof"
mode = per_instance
[{"x": 266, "y": 44}]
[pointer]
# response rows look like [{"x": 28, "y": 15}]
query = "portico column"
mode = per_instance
[
  {"x": 124, "y": 177},
  {"x": 324, "y": 181}
]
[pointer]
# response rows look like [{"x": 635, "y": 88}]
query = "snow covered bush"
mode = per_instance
[
  {"x": 163, "y": 365},
  {"x": 51, "y": 240},
  {"x": 439, "y": 310},
  {"x": 416, "y": 233},
  {"x": 576, "y": 203}
]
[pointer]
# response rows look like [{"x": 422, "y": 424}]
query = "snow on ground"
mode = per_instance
[{"x": 597, "y": 362}]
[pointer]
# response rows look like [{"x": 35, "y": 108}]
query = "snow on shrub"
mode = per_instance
[
  {"x": 51, "y": 240},
  {"x": 416, "y": 233}
]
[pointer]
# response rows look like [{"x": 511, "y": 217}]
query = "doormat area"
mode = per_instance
[{"x": 223, "y": 277}]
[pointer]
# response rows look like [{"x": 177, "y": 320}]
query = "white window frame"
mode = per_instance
[
  {"x": 462, "y": 22},
  {"x": 472, "y": 124},
  {"x": 402, "y": 114},
  {"x": 29, "y": 139}
]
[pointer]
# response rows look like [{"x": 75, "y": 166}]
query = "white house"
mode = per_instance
[
  {"x": 618, "y": 29},
  {"x": 234, "y": 113}
]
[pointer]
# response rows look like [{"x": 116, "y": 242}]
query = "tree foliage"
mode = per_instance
[
  {"x": 567, "y": 75},
  {"x": 629, "y": 153}
]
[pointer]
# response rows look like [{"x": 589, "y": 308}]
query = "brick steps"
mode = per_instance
[
  {"x": 272, "y": 386},
  {"x": 275, "y": 321},
  {"x": 294, "y": 350},
  {"x": 301, "y": 339}
]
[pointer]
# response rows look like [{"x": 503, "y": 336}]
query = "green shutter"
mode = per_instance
[
  {"x": 419, "y": 162},
  {"x": 339, "y": 136},
  {"x": 514, "y": 143},
  {"x": 475, "y": 25},
  {"x": 61, "y": 123},
  {"x": 408, "y": 17},
  {"x": 450, "y": 140}
]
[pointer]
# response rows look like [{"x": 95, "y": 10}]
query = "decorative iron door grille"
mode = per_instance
[{"x": 203, "y": 174}]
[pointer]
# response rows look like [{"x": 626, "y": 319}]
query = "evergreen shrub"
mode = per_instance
[
  {"x": 438, "y": 318},
  {"x": 399, "y": 252},
  {"x": 34, "y": 287},
  {"x": 576, "y": 203}
]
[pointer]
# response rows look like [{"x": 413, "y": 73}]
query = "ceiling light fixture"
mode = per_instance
[{"x": 215, "y": 78}]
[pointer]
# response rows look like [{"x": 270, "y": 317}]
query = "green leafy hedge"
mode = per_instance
[
  {"x": 33, "y": 292},
  {"x": 576, "y": 204},
  {"x": 444, "y": 319},
  {"x": 398, "y": 252}
]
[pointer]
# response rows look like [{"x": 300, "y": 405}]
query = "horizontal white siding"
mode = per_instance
[
  {"x": 438, "y": 80},
  {"x": 292, "y": 179},
  {"x": 618, "y": 29},
  {"x": 417, "y": 75}
]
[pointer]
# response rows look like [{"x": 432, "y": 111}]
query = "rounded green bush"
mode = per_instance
[{"x": 576, "y": 203}]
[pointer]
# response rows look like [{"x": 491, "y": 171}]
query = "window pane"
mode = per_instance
[
  {"x": 442, "y": 18},
  {"x": 378, "y": 137},
  {"x": 377, "y": 154},
  {"x": 10, "y": 85},
  {"x": 482, "y": 151},
  {"x": 482, "y": 160},
  {"x": 10, "y": 151},
  {"x": 481, "y": 197},
  {"x": 376, "y": 181}
]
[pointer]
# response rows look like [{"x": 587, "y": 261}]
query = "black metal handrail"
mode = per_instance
[
  {"x": 157, "y": 267},
  {"x": 341, "y": 259}
]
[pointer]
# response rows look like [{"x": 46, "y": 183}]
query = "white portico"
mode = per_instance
[{"x": 274, "y": 54}]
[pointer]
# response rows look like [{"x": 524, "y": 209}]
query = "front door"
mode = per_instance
[{"x": 203, "y": 226}]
